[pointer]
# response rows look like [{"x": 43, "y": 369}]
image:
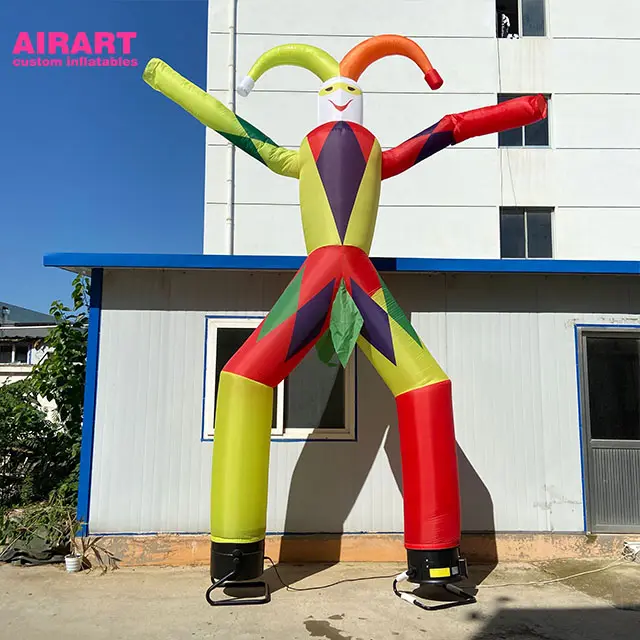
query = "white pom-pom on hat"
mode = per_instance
[{"x": 245, "y": 86}]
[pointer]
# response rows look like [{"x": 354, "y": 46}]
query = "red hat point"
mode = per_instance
[{"x": 434, "y": 79}]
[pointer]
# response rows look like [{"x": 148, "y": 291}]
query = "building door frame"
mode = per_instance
[{"x": 590, "y": 445}]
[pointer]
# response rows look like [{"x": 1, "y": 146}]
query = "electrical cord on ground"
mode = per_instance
[
  {"x": 324, "y": 586},
  {"x": 627, "y": 556}
]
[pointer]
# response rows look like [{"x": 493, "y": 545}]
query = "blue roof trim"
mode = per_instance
[
  {"x": 465, "y": 265},
  {"x": 76, "y": 261},
  {"x": 169, "y": 261}
]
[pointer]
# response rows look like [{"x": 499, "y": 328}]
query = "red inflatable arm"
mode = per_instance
[
  {"x": 518, "y": 112},
  {"x": 459, "y": 127}
]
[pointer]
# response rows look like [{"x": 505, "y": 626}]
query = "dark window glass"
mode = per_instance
[
  {"x": 539, "y": 234},
  {"x": 510, "y": 9},
  {"x": 613, "y": 366},
  {"x": 5, "y": 353},
  {"x": 533, "y": 17},
  {"x": 510, "y": 138},
  {"x": 537, "y": 134},
  {"x": 22, "y": 353},
  {"x": 512, "y": 234},
  {"x": 314, "y": 395},
  {"x": 228, "y": 341}
]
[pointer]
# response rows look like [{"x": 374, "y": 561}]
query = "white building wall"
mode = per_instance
[
  {"x": 450, "y": 202},
  {"x": 10, "y": 373},
  {"x": 19, "y": 371},
  {"x": 506, "y": 341}
]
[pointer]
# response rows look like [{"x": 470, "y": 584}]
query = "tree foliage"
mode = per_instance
[
  {"x": 40, "y": 453},
  {"x": 33, "y": 450},
  {"x": 60, "y": 376}
]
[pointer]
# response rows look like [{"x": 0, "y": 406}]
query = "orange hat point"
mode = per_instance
[{"x": 367, "y": 52}]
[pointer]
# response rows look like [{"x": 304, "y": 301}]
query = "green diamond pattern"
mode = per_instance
[
  {"x": 325, "y": 350},
  {"x": 346, "y": 323},
  {"x": 396, "y": 312},
  {"x": 246, "y": 144},
  {"x": 284, "y": 308},
  {"x": 254, "y": 133}
]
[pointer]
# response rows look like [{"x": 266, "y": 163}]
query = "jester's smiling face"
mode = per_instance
[{"x": 340, "y": 98}]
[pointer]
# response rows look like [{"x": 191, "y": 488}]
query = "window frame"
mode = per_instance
[
  {"x": 582, "y": 332},
  {"x": 15, "y": 362},
  {"x": 629, "y": 332},
  {"x": 524, "y": 145},
  {"x": 550, "y": 210},
  {"x": 278, "y": 433},
  {"x": 545, "y": 7}
]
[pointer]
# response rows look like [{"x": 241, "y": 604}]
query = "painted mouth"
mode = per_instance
[{"x": 340, "y": 107}]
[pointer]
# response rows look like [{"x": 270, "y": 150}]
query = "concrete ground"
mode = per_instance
[{"x": 158, "y": 604}]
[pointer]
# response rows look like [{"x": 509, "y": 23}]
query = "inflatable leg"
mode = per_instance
[
  {"x": 244, "y": 406},
  {"x": 427, "y": 440},
  {"x": 239, "y": 476},
  {"x": 430, "y": 483}
]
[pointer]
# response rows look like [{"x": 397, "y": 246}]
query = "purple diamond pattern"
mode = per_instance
[
  {"x": 310, "y": 319},
  {"x": 341, "y": 166},
  {"x": 376, "y": 329}
]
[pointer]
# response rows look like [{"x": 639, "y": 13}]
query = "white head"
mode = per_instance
[{"x": 340, "y": 98}]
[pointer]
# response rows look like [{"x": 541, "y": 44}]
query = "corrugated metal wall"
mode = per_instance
[
  {"x": 506, "y": 341},
  {"x": 616, "y": 488}
]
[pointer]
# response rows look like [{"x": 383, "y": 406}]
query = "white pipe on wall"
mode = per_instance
[{"x": 231, "y": 151}]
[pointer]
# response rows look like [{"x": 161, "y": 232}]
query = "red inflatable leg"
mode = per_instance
[
  {"x": 430, "y": 484},
  {"x": 429, "y": 468}
]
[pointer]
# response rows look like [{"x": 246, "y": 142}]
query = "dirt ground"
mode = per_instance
[{"x": 168, "y": 603}]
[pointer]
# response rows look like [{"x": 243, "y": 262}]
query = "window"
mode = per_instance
[
  {"x": 228, "y": 341},
  {"x": 14, "y": 353},
  {"x": 613, "y": 365},
  {"x": 21, "y": 353},
  {"x": 315, "y": 402},
  {"x": 525, "y": 232},
  {"x": 517, "y": 18},
  {"x": 533, "y": 135},
  {"x": 6, "y": 353}
]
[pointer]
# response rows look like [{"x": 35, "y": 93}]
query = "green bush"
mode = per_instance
[
  {"x": 60, "y": 376},
  {"x": 33, "y": 450},
  {"x": 50, "y": 522},
  {"x": 40, "y": 456}
]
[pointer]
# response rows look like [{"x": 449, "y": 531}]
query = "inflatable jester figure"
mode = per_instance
[{"x": 335, "y": 301}]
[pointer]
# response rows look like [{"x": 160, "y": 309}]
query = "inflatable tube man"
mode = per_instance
[{"x": 337, "y": 299}]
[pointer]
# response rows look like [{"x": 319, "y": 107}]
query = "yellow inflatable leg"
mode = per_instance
[{"x": 240, "y": 469}]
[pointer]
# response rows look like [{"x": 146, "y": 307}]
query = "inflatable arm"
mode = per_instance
[
  {"x": 213, "y": 114},
  {"x": 456, "y": 128}
]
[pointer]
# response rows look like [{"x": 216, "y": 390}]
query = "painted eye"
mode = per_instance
[
  {"x": 351, "y": 88},
  {"x": 329, "y": 89}
]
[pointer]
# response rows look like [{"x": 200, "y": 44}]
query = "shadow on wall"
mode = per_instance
[
  {"x": 416, "y": 293},
  {"x": 477, "y": 516},
  {"x": 328, "y": 479}
]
